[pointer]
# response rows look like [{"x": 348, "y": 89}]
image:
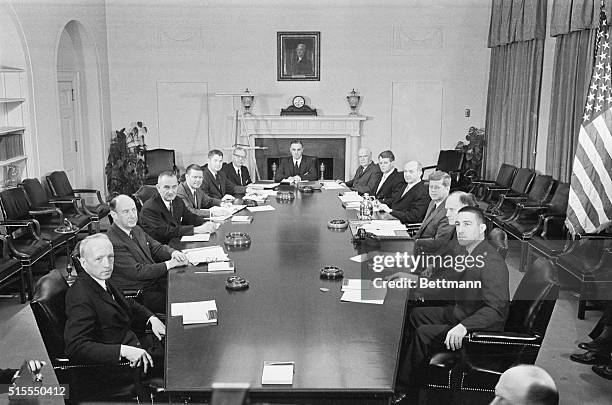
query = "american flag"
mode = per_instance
[{"x": 590, "y": 199}]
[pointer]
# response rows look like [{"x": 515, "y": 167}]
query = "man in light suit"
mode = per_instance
[
  {"x": 391, "y": 183},
  {"x": 237, "y": 173},
  {"x": 196, "y": 201},
  {"x": 432, "y": 329},
  {"x": 141, "y": 263},
  {"x": 164, "y": 216},
  {"x": 297, "y": 167},
  {"x": 367, "y": 176},
  {"x": 435, "y": 231},
  {"x": 100, "y": 321},
  {"x": 411, "y": 205},
  {"x": 215, "y": 183}
]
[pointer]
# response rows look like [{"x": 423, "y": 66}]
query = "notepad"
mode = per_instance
[
  {"x": 372, "y": 296},
  {"x": 261, "y": 208},
  {"x": 197, "y": 312},
  {"x": 198, "y": 237},
  {"x": 264, "y": 185},
  {"x": 221, "y": 266},
  {"x": 332, "y": 185},
  {"x": 277, "y": 372},
  {"x": 206, "y": 254},
  {"x": 242, "y": 218}
]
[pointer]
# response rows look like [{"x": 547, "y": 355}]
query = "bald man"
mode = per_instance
[
  {"x": 525, "y": 385},
  {"x": 367, "y": 176}
]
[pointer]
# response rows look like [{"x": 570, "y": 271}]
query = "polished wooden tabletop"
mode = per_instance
[{"x": 337, "y": 347}]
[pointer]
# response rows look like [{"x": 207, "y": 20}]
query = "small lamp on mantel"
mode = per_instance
[
  {"x": 353, "y": 101},
  {"x": 247, "y": 101}
]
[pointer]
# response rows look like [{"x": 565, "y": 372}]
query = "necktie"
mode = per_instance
[
  {"x": 195, "y": 200},
  {"x": 296, "y": 168},
  {"x": 131, "y": 235},
  {"x": 239, "y": 176},
  {"x": 171, "y": 213},
  {"x": 108, "y": 291}
]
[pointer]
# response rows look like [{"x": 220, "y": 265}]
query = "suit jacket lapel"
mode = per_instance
[
  {"x": 189, "y": 194},
  {"x": 104, "y": 295},
  {"x": 360, "y": 172},
  {"x": 212, "y": 179}
]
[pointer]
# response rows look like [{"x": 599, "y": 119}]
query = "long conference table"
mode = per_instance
[{"x": 343, "y": 352}]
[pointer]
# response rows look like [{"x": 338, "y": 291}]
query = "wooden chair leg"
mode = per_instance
[
  {"x": 582, "y": 299},
  {"x": 22, "y": 287},
  {"x": 27, "y": 269}
]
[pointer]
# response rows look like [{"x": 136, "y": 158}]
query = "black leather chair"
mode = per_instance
[
  {"x": 538, "y": 194},
  {"x": 476, "y": 368},
  {"x": 498, "y": 238},
  {"x": 11, "y": 271},
  {"x": 504, "y": 178},
  {"x": 26, "y": 245},
  {"x": 142, "y": 195},
  {"x": 520, "y": 185},
  {"x": 588, "y": 260},
  {"x": 60, "y": 188},
  {"x": 39, "y": 200},
  {"x": 48, "y": 306},
  {"x": 451, "y": 162},
  {"x": 158, "y": 161}
]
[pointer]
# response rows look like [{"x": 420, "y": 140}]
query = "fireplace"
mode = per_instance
[{"x": 330, "y": 151}]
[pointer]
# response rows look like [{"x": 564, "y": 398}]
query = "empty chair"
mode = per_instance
[
  {"x": 158, "y": 161},
  {"x": 60, "y": 187},
  {"x": 451, "y": 162},
  {"x": 520, "y": 185},
  {"x": 11, "y": 271},
  {"x": 504, "y": 178},
  {"x": 538, "y": 194}
]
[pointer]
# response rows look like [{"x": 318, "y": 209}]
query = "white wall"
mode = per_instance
[
  {"x": 231, "y": 45},
  {"x": 42, "y": 22}
]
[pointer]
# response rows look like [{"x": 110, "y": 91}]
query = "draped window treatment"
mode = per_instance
[
  {"x": 516, "y": 39},
  {"x": 574, "y": 23}
]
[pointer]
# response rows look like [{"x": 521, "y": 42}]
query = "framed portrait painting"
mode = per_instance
[{"x": 298, "y": 55}]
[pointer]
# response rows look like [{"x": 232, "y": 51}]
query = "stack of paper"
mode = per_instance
[
  {"x": 384, "y": 228},
  {"x": 206, "y": 254},
  {"x": 350, "y": 196},
  {"x": 198, "y": 237},
  {"x": 221, "y": 266},
  {"x": 261, "y": 208},
  {"x": 264, "y": 186},
  {"x": 242, "y": 218},
  {"x": 332, "y": 185},
  {"x": 195, "y": 312},
  {"x": 277, "y": 372},
  {"x": 362, "y": 291}
]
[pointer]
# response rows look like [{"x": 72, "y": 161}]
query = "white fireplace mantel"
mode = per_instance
[{"x": 347, "y": 127}]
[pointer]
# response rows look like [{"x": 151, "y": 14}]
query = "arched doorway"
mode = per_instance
[{"x": 79, "y": 106}]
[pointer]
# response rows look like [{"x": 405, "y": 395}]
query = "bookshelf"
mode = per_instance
[{"x": 12, "y": 126}]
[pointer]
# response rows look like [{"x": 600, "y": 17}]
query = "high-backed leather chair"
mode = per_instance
[
  {"x": 60, "y": 187},
  {"x": 520, "y": 185},
  {"x": 158, "y": 161},
  {"x": 477, "y": 366},
  {"x": 143, "y": 194},
  {"x": 68, "y": 205},
  {"x": 11, "y": 271},
  {"x": 451, "y": 162},
  {"x": 48, "y": 306},
  {"x": 504, "y": 178},
  {"x": 538, "y": 194}
]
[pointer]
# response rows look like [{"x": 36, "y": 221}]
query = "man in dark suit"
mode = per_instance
[
  {"x": 297, "y": 167},
  {"x": 196, "y": 201},
  {"x": 215, "y": 183},
  {"x": 435, "y": 231},
  {"x": 481, "y": 305},
  {"x": 100, "y": 321},
  {"x": 299, "y": 62},
  {"x": 367, "y": 176},
  {"x": 164, "y": 216},
  {"x": 391, "y": 183},
  {"x": 236, "y": 172},
  {"x": 141, "y": 263},
  {"x": 411, "y": 205}
]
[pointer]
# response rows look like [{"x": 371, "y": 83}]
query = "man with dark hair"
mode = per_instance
[
  {"x": 141, "y": 263},
  {"x": 481, "y": 305},
  {"x": 297, "y": 167},
  {"x": 367, "y": 176},
  {"x": 435, "y": 230},
  {"x": 411, "y": 204},
  {"x": 525, "y": 385},
  {"x": 165, "y": 217},
  {"x": 215, "y": 183},
  {"x": 236, "y": 172},
  {"x": 391, "y": 183},
  {"x": 196, "y": 201}
]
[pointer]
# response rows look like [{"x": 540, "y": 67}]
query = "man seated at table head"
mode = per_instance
[
  {"x": 525, "y": 384},
  {"x": 196, "y": 201},
  {"x": 435, "y": 230},
  {"x": 367, "y": 176},
  {"x": 411, "y": 204},
  {"x": 297, "y": 167},
  {"x": 164, "y": 216},
  {"x": 236, "y": 172},
  {"x": 141, "y": 263},
  {"x": 481, "y": 305},
  {"x": 391, "y": 182},
  {"x": 100, "y": 321},
  {"x": 215, "y": 183}
]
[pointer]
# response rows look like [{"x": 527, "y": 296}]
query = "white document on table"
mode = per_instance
[
  {"x": 195, "y": 312},
  {"x": 261, "y": 208},
  {"x": 264, "y": 186},
  {"x": 384, "y": 228},
  {"x": 356, "y": 284},
  {"x": 198, "y": 237},
  {"x": 372, "y": 296},
  {"x": 277, "y": 372},
  {"x": 221, "y": 266},
  {"x": 206, "y": 254},
  {"x": 351, "y": 196},
  {"x": 332, "y": 185}
]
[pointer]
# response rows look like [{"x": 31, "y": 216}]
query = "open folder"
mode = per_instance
[
  {"x": 196, "y": 312},
  {"x": 277, "y": 372}
]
